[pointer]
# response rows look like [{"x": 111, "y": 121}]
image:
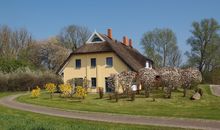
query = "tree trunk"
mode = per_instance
[
  {"x": 169, "y": 91},
  {"x": 164, "y": 55},
  {"x": 51, "y": 95},
  {"x": 116, "y": 96},
  {"x": 184, "y": 92},
  {"x": 147, "y": 92},
  {"x": 132, "y": 96}
]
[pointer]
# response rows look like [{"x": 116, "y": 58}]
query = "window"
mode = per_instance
[
  {"x": 93, "y": 62},
  {"x": 148, "y": 64},
  {"x": 96, "y": 39},
  {"x": 78, "y": 63},
  {"x": 109, "y": 61},
  {"x": 93, "y": 82}
]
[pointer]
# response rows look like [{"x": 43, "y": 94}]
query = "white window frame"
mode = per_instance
[{"x": 92, "y": 37}]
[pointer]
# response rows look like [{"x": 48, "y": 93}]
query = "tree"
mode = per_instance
[
  {"x": 204, "y": 44},
  {"x": 10, "y": 65},
  {"x": 174, "y": 57},
  {"x": 66, "y": 89},
  {"x": 13, "y": 41},
  {"x": 35, "y": 92},
  {"x": 147, "y": 78},
  {"x": 81, "y": 92},
  {"x": 73, "y": 36},
  {"x": 190, "y": 78},
  {"x": 51, "y": 88},
  {"x": 5, "y": 35},
  {"x": 47, "y": 54},
  {"x": 161, "y": 46}
]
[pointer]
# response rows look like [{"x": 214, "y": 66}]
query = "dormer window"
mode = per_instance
[
  {"x": 148, "y": 65},
  {"x": 95, "y": 38}
]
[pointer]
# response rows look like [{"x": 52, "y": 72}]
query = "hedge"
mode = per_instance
[{"x": 23, "y": 81}]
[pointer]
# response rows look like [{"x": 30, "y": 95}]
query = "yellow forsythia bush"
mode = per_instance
[
  {"x": 35, "y": 92},
  {"x": 51, "y": 88},
  {"x": 81, "y": 92},
  {"x": 65, "y": 89}
]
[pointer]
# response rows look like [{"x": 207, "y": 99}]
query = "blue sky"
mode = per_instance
[{"x": 45, "y": 18}]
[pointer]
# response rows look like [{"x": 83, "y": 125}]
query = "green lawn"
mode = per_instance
[
  {"x": 207, "y": 108},
  {"x": 11, "y": 119}
]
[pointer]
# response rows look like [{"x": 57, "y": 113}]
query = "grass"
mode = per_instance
[
  {"x": 11, "y": 119},
  {"x": 2, "y": 94},
  {"x": 206, "y": 108}
]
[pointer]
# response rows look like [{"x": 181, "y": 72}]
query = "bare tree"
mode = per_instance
[
  {"x": 73, "y": 36},
  {"x": 5, "y": 39},
  {"x": 12, "y": 41},
  {"x": 20, "y": 40}
]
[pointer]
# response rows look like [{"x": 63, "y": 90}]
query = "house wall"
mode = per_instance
[{"x": 101, "y": 71}]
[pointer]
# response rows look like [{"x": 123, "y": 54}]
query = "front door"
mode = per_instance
[{"x": 107, "y": 89}]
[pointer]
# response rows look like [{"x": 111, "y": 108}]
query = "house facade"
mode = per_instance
[{"x": 100, "y": 57}]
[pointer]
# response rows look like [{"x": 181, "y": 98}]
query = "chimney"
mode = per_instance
[
  {"x": 125, "y": 40},
  {"x": 110, "y": 33},
  {"x": 130, "y": 42}
]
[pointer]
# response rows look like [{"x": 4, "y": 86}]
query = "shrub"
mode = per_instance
[
  {"x": 23, "y": 81},
  {"x": 81, "y": 92},
  {"x": 215, "y": 75},
  {"x": 190, "y": 78},
  {"x": 48, "y": 77},
  {"x": 9, "y": 65},
  {"x": 65, "y": 89},
  {"x": 35, "y": 92},
  {"x": 125, "y": 79},
  {"x": 51, "y": 88},
  {"x": 3, "y": 82}
]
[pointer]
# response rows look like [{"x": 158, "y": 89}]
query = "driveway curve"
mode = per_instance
[{"x": 10, "y": 102}]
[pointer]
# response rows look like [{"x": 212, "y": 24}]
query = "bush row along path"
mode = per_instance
[
  {"x": 10, "y": 102},
  {"x": 215, "y": 90}
]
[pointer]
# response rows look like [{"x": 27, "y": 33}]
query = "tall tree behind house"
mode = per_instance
[{"x": 161, "y": 46}]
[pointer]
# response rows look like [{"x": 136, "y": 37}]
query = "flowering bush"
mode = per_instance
[
  {"x": 51, "y": 88},
  {"x": 35, "y": 92},
  {"x": 190, "y": 78},
  {"x": 125, "y": 79},
  {"x": 65, "y": 89},
  {"x": 81, "y": 92}
]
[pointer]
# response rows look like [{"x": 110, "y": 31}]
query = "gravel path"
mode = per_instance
[
  {"x": 9, "y": 101},
  {"x": 215, "y": 89}
]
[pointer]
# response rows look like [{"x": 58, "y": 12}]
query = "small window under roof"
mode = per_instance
[{"x": 95, "y": 38}]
